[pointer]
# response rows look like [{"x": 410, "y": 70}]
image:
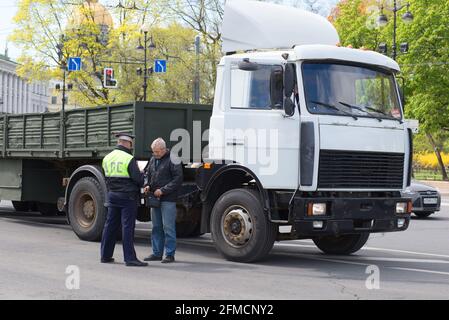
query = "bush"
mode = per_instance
[{"x": 429, "y": 160}]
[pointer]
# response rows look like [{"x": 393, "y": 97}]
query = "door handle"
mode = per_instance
[{"x": 235, "y": 143}]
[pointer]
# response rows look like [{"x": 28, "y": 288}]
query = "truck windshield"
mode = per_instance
[{"x": 355, "y": 91}]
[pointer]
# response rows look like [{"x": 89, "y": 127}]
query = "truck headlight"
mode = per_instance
[
  {"x": 404, "y": 207},
  {"x": 316, "y": 209}
]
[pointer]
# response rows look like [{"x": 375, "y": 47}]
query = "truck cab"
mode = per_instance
[{"x": 316, "y": 130}]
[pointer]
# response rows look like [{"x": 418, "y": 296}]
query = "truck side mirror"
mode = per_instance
[
  {"x": 276, "y": 88},
  {"x": 289, "y": 87},
  {"x": 289, "y": 107},
  {"x": 401, "y": 91},
  {"x": 289, "y": 79},
  {"x": 402, "y": 94}
]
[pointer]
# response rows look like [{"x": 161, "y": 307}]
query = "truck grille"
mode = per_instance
[{"x": 360, "y": 170}]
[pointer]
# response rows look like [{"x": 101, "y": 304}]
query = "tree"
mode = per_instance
[
  {"x": 355, "y": 23},
  {"x": 87, "y": 34},
  {"x": 424, "y": 67},
  {"x": 205, "y": 17}
]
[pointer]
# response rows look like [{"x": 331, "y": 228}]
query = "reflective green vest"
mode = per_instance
[{"x": 115, "y": 164}]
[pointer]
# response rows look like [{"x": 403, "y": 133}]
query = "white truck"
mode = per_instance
[
  {"x": 313, "y": 135},
  {"x": 306, "y": 140}
]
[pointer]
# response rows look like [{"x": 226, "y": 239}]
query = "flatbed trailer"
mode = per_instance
[{"x": 42, "y": 158}]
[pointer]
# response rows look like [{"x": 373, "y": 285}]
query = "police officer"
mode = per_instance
[{"x": 124, "y": 180}]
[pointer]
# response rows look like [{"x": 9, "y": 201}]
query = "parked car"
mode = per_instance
[{"x": 426, "y": 199}]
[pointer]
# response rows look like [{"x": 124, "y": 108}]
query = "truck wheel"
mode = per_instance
[
  {"x": 87, "y": 212},
  {"x": 341, "y": 245},
  {"x": 47, "y": 209},
  {"x": 240, "y": 229},
  {"x": 423, "y": 214},
  {"x": 22, "y": 206}
]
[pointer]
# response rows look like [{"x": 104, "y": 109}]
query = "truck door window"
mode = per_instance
[{"x": 251, "y": 89}]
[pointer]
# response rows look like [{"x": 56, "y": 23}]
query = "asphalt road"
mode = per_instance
[{"x": 36, "y": 251}]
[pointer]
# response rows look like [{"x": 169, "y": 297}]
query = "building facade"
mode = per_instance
[{"x": 17, "y": 95}]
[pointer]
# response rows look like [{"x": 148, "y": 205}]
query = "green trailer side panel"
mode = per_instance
[
  {"x": 89, "y": 132},
  {"x": 174, "y": 123},
  {"x": 11, "y": 179}
]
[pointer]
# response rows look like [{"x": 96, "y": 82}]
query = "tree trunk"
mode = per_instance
[{"x": 438, "y": 154}]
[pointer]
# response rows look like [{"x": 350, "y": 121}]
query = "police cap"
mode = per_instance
[{"x": 124, "y": 136}]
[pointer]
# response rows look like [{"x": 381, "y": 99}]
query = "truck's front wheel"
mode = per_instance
[
  {"x": 240, "y": 229},
  {"x": 87, "y": 212},
  {"x": 341, "y": 245}
]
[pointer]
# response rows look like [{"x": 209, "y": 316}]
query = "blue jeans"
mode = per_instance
[{"x": 164, "y": 229}]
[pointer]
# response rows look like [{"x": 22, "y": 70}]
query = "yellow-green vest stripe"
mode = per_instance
[{"x": 115, "y": 164}]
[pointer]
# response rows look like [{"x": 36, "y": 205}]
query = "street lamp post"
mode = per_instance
[
  {"x": 196, "y": 88},
  {"x": 382, "y": 20},
  {"x": 148, "y": 44},
  {"x": 63, "y": 66}
]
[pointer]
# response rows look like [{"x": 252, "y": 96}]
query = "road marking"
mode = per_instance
[
  {"x": 306, "y": 256},
  {"x": 294, "y": 245},
  {"x": 420, "y": 270},
  {"x": 445, "y": 204},
  {"x": 408, "y": 252},
  {"x": 386, "y": 259},
  {"x": 375, "y": 249}
]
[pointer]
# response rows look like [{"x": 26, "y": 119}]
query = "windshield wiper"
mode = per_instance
[
  {"x": 330, "y": 106},
  {"x": 359, "y": 108},
  {"x": 387, "y": 115}
]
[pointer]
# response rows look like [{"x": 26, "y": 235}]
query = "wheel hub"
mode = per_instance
[
  {"x": 89, "y": 209},
  {"x": 85, "y": 210},
  {"x": 237, "y": 226}
]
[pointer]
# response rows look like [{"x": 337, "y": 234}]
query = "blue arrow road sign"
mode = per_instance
[
  {"x": 160, "y": 66},
  {"x": 74, "y": 64}
]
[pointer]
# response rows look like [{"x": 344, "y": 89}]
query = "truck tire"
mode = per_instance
[
  {"x": 22, "y": 206},
  {"x": 47, "y": 209},
  {"x": 87, "y": 213},
  {"x": 240, "y": 229},
  {"x": 422, "y": 215},
  {"x": 341, "y": 245}
]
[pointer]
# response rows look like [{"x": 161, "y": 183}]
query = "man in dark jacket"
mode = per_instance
[
  {"x": 164, "y": 176},
  {"x": 124, "y": 180}
]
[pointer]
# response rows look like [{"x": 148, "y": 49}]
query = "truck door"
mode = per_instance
[{"x": 258, "y": 134}]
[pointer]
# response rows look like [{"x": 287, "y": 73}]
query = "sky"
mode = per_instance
[{"x": 8, "y": 9}]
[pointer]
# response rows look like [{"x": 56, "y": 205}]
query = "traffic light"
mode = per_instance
[
  {"x": 404, "y": 47},
  {"x": 383, "y": 48},
  {"x": 108, "y": 78}
]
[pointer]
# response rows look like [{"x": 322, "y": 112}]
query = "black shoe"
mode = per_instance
[
  {"x": 136, "y": 263},
  {"x": 153, "y": 258},
  {"x": 168, "y": 259},
  {"x": 107, "y": 260}
]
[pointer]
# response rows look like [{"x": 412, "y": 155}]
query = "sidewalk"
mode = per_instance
[{"x": 442, "y": 186}]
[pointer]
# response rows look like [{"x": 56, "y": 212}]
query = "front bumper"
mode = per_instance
[{"x": 348, "y": 216}]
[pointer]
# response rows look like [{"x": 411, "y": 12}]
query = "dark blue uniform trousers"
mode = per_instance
[{"x": 121, "y": 210}]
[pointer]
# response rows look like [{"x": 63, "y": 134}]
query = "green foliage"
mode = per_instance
[
  {"x": 41, "y": 23},
  {"x": 355, "y": 22},
  {"x": 426, "y": 66}
]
